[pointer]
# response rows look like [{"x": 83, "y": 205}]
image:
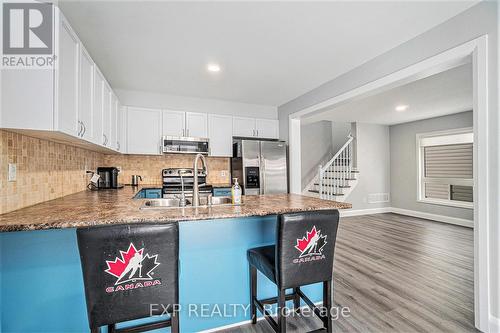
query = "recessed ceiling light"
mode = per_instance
[
  {"x": 214, "y": 68},
  {"x": 401, "y": 108}
]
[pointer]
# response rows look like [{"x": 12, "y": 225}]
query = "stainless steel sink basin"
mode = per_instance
[
  {"x": 175, "y": 203},
  {"x": 221, "y": 201},
  {"x": 162, "y": 203}
]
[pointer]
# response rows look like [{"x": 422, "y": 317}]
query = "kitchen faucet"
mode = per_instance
[
  {"x": 196, "y": 191},
  {"x": 183, "y": 201}
]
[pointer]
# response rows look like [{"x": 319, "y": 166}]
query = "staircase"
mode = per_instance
[{"x": 337, "y": 178}]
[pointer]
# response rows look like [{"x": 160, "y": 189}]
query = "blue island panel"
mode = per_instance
[{"x": 41, "y": 285}]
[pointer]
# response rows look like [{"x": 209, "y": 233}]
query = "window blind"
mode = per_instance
[
  {"x": 448, "y": 161},
  {"x": 444, "y": 166}
]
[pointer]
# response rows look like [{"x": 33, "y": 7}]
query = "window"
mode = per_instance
[{"x": 445, "y": 166}]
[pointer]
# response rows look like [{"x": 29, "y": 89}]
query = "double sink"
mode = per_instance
[{"x": 164, "y": 203}]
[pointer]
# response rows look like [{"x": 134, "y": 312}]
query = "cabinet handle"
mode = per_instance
[
  {"x": 79, "y": 128},
  {"x": 84, "y": 129},
  {"x": 117, "y": 145},
  {"x": 183, "y": 132}
]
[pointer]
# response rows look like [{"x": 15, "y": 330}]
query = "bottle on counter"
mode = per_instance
[{"x": 236, "y": 192}]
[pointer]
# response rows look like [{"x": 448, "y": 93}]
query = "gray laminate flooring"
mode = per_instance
[{"x": 398, "y": 274}]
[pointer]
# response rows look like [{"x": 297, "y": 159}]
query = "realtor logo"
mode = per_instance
[
  {"x": 311, "y": 246},
  {"x": 28, "y": 35},
  {"x": 135, "y": 269},
  {"x": 27, "y": 28}
]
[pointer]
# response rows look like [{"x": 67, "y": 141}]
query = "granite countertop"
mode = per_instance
[{"x": 92, "y": 208}]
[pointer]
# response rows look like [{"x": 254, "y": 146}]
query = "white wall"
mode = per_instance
[
  {"x": 373, "y": 161},
  {"x": 316, "y": 148},
  {"x": 404, "y": 163},
  {"x": 340, "y": 131},
  {"x": 479, "y": 20},
  {"x": 184, "y": 103}
]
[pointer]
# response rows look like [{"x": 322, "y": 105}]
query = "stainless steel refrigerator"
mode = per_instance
[{"x": 260, "y": 166}]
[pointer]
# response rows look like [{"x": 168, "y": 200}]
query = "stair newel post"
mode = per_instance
[
  {"x": 335, "y": 178},
  {"x": 320, "y": 178},
  {"x": 350, "y": 160},
  {"x": 341, "y": 169}
]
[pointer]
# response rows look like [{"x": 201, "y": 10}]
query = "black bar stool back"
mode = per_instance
[
  {"x": 126, "y": 269},
  {"x": 306, "y": 245},
  {"x": 303, "y": 255}
]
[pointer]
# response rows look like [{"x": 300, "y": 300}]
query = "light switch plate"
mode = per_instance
[{"x": 12, "y": 174}]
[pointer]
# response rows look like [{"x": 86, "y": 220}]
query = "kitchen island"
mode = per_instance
[{"x": 41, "y": 282}]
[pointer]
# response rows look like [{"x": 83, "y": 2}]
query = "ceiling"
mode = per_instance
[
  {"x": 269, "y": 52},
  {"x": 441, "y": 94}
]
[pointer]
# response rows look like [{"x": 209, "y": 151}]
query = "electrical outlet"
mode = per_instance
[
  {"x": 223, "y": 173},
  {"x": 11, "y": 177},
  {"x": 119, "y": 168}
]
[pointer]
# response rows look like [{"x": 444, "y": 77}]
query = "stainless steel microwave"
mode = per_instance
[{"x": 184, "y": 145}]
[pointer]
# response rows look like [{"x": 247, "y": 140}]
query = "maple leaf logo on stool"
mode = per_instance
[
  {"x": 133, "y": 265},
  {"x": 312, "y": 244}
]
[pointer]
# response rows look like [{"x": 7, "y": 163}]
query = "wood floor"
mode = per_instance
[{"x": 398, "y": 274}]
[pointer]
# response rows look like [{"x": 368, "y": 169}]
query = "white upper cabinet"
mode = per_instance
[
  {"x": 220, "y": 134},
  {"x": 267, "y": 128},
  {"x": 244, "y": 126},
  {"x": 113, "y": 138},
  {"x": 174, "y": 123},
  {"x": 180, "y": 123},
  {"x": 86, "y": 96},
  {"x": 72, "y": 98},
  {"x": 97, "y": 120},
  {"x": 120, "y": 128},
  {"x": 143, "y": 131},
  {"x": 196, "y": 125},
  {"x": 259, "y": 128},
  {"x": 67, "y": 79},
  {"x": 106, "y": 115}
]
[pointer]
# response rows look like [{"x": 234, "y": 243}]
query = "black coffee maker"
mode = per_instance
[{"x": 108, "y": 178}]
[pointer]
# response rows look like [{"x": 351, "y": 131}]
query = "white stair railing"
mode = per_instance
[{"x": 337, "y": 172}]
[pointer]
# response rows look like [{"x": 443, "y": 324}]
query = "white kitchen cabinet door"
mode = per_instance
[
  {"x": 143, "y": 131},
  {"x": 244, "y": 126},
  {"x": 114, "y": 122},
  {"x": 220, "y": 134},
  {"x": 106, "y": 115},
  {"x": 85, "y": 110},
  {"x": 267, "y": 128},
  {"x": 97, "y": 118},
  {"x": 196, "y": 125},
  {"x": 67, "y": 80},
  {"x": 174, "y": 123},
  {"x": 120, "y": 128}
]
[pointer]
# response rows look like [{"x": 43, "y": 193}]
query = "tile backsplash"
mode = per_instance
[
  {"x": 149, "y": 167},
  {"x": 48, "y": 170}
]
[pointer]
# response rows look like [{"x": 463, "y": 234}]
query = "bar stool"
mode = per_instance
[
  {"x": 130, "y": 272},
  {"x": 303, "y": 254}
]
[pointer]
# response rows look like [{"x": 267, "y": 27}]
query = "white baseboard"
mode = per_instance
[
  {"x": 368, "y": 211},
  {"x": 434, "y": 217},
  {"x": 414, "y": 213},
  {"x": 494, "y": 324}
]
